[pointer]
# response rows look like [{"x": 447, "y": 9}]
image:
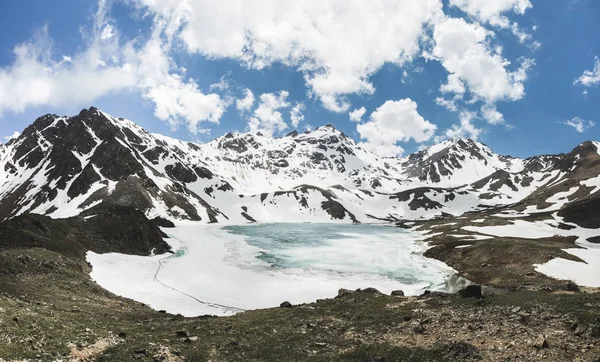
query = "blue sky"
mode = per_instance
[{"x": 521, "y": 76}]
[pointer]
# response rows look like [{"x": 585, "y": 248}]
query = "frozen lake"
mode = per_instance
[{"x": 223, "y": 270}]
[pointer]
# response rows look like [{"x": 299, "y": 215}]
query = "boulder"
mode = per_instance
[
  {"x": 541, "y": 342},
  {"x": 572, "y": 287},
  {"x": 286, "y": 304},
  {"x": 343, "y": 292},
  {"x": 397, "y": 293},
  {"x": 371, "y": 290},
  {"x": 471, "y": 291},
  {"x": 182, "y": 334}
]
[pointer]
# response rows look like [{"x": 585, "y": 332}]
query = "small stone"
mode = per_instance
[
  {"x": 122, "y": 335},
  {"x": 407, "y": 318},
  {"x": 524, "y": 317},
  {"x": 182, "y": 334},
  {"x": 162, "y": 311},
  {"x": 596, "y": 331},
  {"x": 191, "y": 339},
  {"x": 286, "y": 304},
  {"x": 574, "y": 326},
  {"x": 320, "y": 344},
  {"x": 16, "y": 320},
  {"x": 419, "y": 329},
  {"x": 141, "y": 352},
  {"x": 581, "y": 329},
  {"x": 541, "y": 342},
  {"x": 397, "y": 293}
]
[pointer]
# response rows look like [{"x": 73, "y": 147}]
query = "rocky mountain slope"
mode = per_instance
[{"x": 61, "y": 166}]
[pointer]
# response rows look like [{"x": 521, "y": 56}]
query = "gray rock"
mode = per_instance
[
  {"x": 419, "y": 329},
  {"x": 191, "y": 339},
  {"x": 397, "y": 293},
  {"x": 541, "y": 342},
  {"x": 471, "y": 291},
  {"x": 343, "y": 292},
  {"x": 182, "y": 334},
  {"x": 581, "y": 329}
]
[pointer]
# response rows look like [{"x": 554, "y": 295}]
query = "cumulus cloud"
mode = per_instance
[
  {"x": 336, "y": 46},
  {"x": 463, "y": 50},
  {"x": 590, "y": 77},
  {"x": 296, "y": 115},
  {"x": 105, "y": 65},
  {"x": 357, "y": 114},
  {"x": 393, "y": 122},
  {"x": 476, "y": 68},
  {"x": 245, "y": 104},
  {"x": 267, "y": 118},
  {"x": 492, "y": 12},
  {"x": 579, "y": 124}
]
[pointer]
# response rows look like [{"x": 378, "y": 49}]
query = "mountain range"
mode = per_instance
[{"x": 60, "y": 166}]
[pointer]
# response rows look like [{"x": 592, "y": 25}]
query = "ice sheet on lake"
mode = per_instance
[{"x": 218, "y": 272}]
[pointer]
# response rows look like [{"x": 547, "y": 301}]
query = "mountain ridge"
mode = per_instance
[{"x": 60, "y": 166}]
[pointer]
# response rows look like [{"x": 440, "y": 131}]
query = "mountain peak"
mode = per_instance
[{"x": 61, "y": 166}]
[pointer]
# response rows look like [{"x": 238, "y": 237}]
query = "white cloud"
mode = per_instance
[
  {"x": 13, "y": 136},
  {"x": 491, "y": 114},
  {"x": 105, "y": 65},
  {"x": 296, "y": 115},
  {"x": 454, "y": 85},
  {"x": 107, "y": 32},
  {"x": 476, "y": 69},
  {"x": 449, "y": 104},
  {"x": 266, "y": 118},
  {"x": 579, "y": 124},
  {"x": 357, "y": 114},
  {"x": 492, "y": 11},
  {"x": 222, "y": 85},
  {"x": 393, "y": 122},
  {"x": 465, "y": 129},
  {"x": 590, "y": 77},
  {"x": 464, "y": 51},
  {"x": 336, "y": 46},
  {"x": 245, "y": 104}
]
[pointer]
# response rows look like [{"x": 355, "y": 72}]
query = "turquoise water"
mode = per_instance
[{"x": 342, "y": 249}]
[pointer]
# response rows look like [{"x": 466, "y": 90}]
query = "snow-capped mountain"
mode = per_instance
[{"x": 61, "y": 166}]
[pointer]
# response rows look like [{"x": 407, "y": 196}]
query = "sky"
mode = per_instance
[{"x": 521, "y": 76}]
